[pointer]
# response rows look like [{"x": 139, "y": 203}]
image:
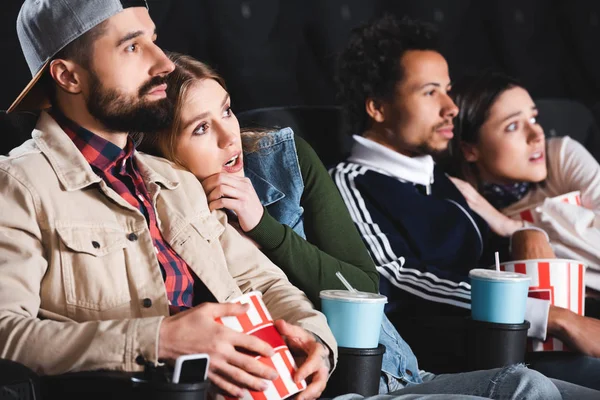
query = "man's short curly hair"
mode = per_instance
[{"x": 369, "y": 65}]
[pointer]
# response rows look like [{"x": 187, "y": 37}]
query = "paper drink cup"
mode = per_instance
[
  {"x": 560, "y": 281},
  {"x": 498, "y": 296},
  {"x": 258, "y": 322},
  {"x": 354, "y": 317},
  {"x": 532, "y": 213}
]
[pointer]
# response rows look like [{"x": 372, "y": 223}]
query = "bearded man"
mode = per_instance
[{"x": 109, "y": 258}]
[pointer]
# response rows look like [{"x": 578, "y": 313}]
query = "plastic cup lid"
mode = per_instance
[
  {"x": 493, "y": 275},
  {"x": 352, "y": 297}
]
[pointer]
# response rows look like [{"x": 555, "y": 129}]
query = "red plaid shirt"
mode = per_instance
[{"x": 118, "y": 169}]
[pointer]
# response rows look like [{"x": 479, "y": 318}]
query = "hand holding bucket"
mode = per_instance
[
  {"x": 560, "y": 281},
  {"x": 258, "y": 322}
]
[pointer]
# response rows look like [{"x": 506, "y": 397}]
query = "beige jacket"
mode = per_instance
[{"x": 69, "y": 305}]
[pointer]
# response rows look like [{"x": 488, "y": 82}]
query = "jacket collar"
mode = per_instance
[
  {"x": 261, "y": 185},
  {"x": 71, "y": 167},
  {"x": 167, "y": 178},
  {"x": 389, "y": 162}
]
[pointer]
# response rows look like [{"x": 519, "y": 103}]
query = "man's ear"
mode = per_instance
[
  {"x": 67, "y": 75},
  {"x": 375, "y": 109},
  {"x": 470, "y": 152}
]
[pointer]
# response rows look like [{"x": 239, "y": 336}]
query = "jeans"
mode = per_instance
[
  {"x": 513, "y": 382},
  {"x": 569, "y": 367}
]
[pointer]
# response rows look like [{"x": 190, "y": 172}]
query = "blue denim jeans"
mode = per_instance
[
  {"x": 513, "y": 382},
  {"x": 567, "y": 366}
]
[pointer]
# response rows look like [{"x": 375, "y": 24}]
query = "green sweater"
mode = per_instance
[{"x": 332, "y": 242}]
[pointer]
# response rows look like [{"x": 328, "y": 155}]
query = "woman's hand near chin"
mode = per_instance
[
  {"x": 234, "y": 193},
  {"x": 498, "y": 222}
]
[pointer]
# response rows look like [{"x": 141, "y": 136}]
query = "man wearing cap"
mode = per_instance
[{"x": 111, "y": 259}]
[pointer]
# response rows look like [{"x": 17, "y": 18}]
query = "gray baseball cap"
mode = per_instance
[{"x": 45, "y": 27}]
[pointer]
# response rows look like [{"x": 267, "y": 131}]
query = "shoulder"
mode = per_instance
[
  {"x": 354, "y": 170},
  {"x": 555, "y": 145},
  {"x": 266, "y": 147},
  {"x": 565, "y": 154},
  {"x": 307, "y": 157},
  {"x": 273, "y": 139},
  {"x": 560, "y": 147},
  {"x": 25, "y": 162},
  {"x": 359, "y": 177},
  {"x": 156, "y": 161},
  {"x": 271, "y": 152},
  {"x": 168, "y": 169},
  {"x": 26, "y": 151}
]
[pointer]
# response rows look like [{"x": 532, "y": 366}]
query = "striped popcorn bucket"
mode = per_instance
[
  {"x": 258, "y": 322},
  {"x": 532, "y": 213},
  {"x": 560, "y": 281}
]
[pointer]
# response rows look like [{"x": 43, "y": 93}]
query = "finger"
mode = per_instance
[
  {"x": 224, "y": 191},
  {"x": 316, "y": 386},
  {"x": 296, "y": 337},
  {"x": 252, "y": 344},
  {"x": 223, "y": 178},
  {"x": 457, "y": 182},
  {"x": 252, "y": 366},
  {"x": 293, "y": 331},
  {"x": 313, "y": 363},
  {"x": 240, "y": 378},
  {"x": 225, "y": 385},
  {"x": 218, "y": 310},
  {"x": 211, "y": 182},
  {"x": 224, "y": 202}
]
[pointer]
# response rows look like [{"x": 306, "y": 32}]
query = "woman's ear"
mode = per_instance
[
  {"x": 470, "y": 152},
  {"x": 67, "y": 76},
  {"x": 375, "y": 109}
]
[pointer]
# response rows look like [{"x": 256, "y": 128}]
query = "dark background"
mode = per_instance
[{"x": 282, "y": 52}]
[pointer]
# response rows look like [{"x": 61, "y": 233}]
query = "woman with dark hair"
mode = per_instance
[{"x": 505, "y": 165}]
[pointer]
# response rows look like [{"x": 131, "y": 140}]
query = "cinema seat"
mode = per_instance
[
  {"x": 580, "y": 22},
  {"x": 18, "y": 382},
  {"x": 321, "y": 127}
]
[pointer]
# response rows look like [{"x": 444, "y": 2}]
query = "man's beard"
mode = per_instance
[
  {"x": 126, "y": 113},
  {"x": 426, "y": 149}
]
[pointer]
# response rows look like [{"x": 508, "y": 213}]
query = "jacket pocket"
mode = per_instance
[
  {"x": 93, "y": 263},
  {"x": 196, "y": 239},
  {"x": 208, "y": 227}
]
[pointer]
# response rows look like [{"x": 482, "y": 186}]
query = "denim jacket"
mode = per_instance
[
  {"x": 275, "y": 174},
  {"x": 274, "y": 171}
]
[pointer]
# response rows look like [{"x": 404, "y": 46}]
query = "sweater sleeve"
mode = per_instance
[
  {"x": 577, "y": 169},
  {"x": 574, "y": 231},
  {"x": 423, "y": 247},
  {"x": 332, "y": 243}
]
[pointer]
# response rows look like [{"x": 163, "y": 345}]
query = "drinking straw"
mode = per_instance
[
  {"x": 497, "y": 261},
  {"x": 345, "y": 282}
]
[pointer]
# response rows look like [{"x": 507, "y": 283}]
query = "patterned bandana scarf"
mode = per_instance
[{"x": 502, "y": 196}]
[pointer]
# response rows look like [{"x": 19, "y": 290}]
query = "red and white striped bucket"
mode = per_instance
[
  {"x": 532, "y": 213},
  {"x": 258, "y": 322},
  {"x": 558, "y": 280}
]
